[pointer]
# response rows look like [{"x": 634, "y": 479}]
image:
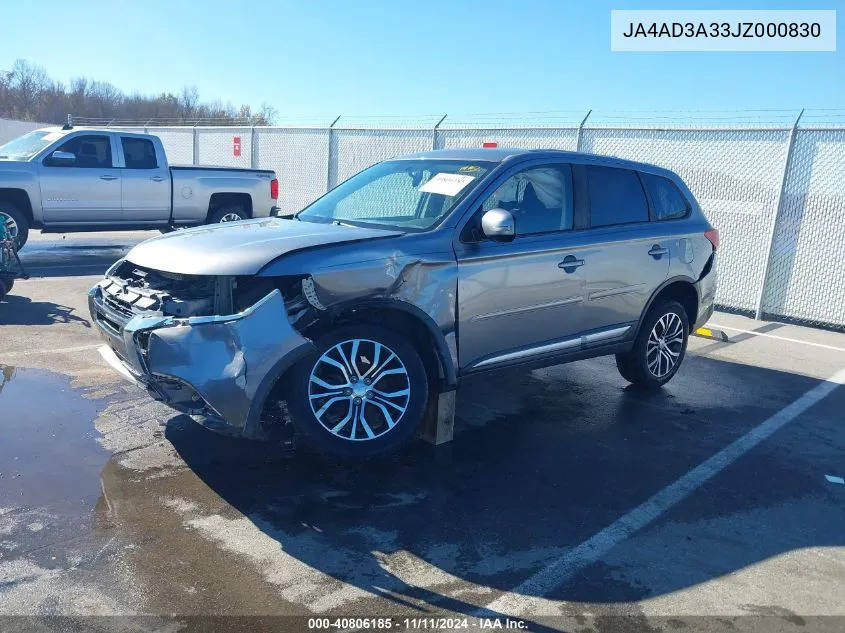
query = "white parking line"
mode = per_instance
[
  {"x": 59, "y": 350},
  {"x": 775, "y": 336},
  {"x": 563, "y": 569}
]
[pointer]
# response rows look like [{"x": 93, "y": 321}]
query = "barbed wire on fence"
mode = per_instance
[{"x": 542, "y": 119}]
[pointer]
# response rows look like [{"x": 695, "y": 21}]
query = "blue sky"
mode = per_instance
[{"x": 402, "y": 57}]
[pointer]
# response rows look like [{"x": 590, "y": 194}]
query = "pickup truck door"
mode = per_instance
[
  {"x": 86, "y": 191},
  {"x": 146, "y": 181}
]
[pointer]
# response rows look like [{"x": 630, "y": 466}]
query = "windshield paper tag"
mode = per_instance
[{"x": 447, "y": 184}]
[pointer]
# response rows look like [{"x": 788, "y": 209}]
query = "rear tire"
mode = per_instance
[
  {"x": 659, "y": 348},
  {"x": 228, "y": 213},
  {"x": 16, "y": 223},
  {"x": 378, "y": 405}
]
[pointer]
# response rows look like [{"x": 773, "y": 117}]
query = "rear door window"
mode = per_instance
[
  {"x": 616, "y": 196},
  {"x": 139, "y": 153},
  {"x": 667, "y": 203}
]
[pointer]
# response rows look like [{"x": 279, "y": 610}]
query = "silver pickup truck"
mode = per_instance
[{"x": 66, "y": 180}]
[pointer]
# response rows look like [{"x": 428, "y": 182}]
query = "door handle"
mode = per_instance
[
  {"x": 570, "y": 263},
  {"x": 108, "y": 177},
  {"x": 157, "y": 178},
  {"x": 657, "y": 251}
]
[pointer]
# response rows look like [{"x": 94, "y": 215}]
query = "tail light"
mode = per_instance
[
  {"x": 274, "y": 189},
  {"x": 713, "y": 236}
]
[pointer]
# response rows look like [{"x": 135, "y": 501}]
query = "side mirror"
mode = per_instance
[
  {"x": 63, "y": 159},
  {"x": 499, "y": 225}
]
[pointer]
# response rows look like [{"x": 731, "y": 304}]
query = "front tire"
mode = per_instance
[
  {"x": 362, "y": 392},
  {"x": 659, "y": 348},
  {"x": 17, "y": 226}
]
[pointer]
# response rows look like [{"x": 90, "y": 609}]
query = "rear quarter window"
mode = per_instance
[
  {"x": 616, "y": 196},
  {"x": 667, "y": 202}
]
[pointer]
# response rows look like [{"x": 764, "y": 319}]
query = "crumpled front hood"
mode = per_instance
[{"x": 241, "y": 248}]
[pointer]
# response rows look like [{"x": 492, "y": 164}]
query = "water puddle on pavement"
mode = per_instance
[{"x": 49, "y": 455}]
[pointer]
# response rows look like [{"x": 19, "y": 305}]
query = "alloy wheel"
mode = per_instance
[
  {"x": 230, "y": 217},
  {"x": 665, "y": 344},
  {"x": 359, "y": 390},
  {"x": 11, "y": 225}
]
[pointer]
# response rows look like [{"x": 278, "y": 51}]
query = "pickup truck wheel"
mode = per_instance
[
  {"x": 17, "y": 226},
  {"x": 659, "y": 348},
  {"x": 229, "y": 213},
  {"x": 361, "y": 392}
]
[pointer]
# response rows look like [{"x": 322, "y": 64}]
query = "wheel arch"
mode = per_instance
[
  {"x": 406, "y": 318},
  {"x": 681, "y": 289},
  {"x": 222, "y": 198},
  {"x": 20, "y": 199}
]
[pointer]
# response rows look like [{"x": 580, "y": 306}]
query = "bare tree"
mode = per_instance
[
  {"x": 189, "y": 100},
  {"x": 28, "y": 93},
  {"x": 27, "y": 83}
]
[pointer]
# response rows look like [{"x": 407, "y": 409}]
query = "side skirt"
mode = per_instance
[{"x": 556, "y": 359}]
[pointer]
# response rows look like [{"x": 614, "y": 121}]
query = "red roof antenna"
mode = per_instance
[{"x": 489, "y": 144}]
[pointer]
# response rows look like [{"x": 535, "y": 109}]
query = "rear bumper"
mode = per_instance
[
  {"x": 218, "y": 369},
  {"x": 706, "y": 287}
]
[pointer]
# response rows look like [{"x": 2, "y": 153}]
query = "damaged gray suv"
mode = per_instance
[{"x": 408, "y": 276}]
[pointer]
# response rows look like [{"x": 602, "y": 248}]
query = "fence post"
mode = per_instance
[
  {"x": 329, "y": 153},
  {"x": 790, "y": 144},
  {"x": 434, "y": 132},
  {"x": 196, "y": 150},
  {"x": 580, "y": 129},
  {"x": 253, "y": 158}
]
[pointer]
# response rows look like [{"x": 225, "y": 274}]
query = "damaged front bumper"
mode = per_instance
[{"x": 218, "y": 369}]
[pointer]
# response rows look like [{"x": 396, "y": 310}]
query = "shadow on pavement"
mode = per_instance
[
  {"x": 573, "y": 450},
  {"x": 18, "y": 310}
]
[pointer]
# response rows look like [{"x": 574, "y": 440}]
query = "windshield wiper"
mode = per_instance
[{"x": 339, "y": 223}]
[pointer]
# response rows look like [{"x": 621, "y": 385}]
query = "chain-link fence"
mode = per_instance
[{"x": 776, "y": 192}]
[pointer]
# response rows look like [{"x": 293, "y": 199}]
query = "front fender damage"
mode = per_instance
[
  {"x": 424, "y": 286},
  {"x": 219, "y": 368}
]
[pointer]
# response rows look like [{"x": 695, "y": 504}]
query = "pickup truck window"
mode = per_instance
[
  {"x": 90, "y": 151},
  {"x": 139, "y": 153},
  {"x": 410, "y": 195}
]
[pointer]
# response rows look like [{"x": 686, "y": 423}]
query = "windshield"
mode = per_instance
[
  {"x": 28, "y": 145},
  {"x": 410, "y": 195}
]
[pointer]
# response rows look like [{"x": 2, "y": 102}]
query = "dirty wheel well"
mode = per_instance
[{"x": 684, "y": 293}]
